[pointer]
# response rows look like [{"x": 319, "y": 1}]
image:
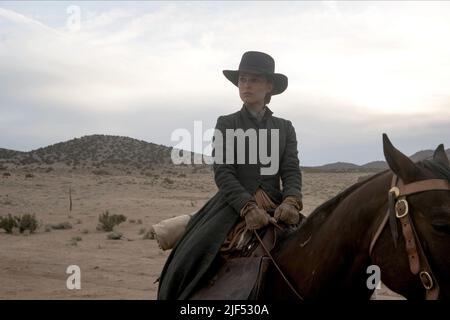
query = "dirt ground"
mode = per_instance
[{"x": 34, "y": 266}]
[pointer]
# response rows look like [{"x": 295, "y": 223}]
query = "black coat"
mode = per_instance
[{"x": 207, "y": 230}]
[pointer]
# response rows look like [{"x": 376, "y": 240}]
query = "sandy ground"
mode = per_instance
[{"x": 34, "y": 266}]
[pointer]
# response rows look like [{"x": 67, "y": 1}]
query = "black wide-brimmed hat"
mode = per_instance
[{"x": 260, "y": 63}]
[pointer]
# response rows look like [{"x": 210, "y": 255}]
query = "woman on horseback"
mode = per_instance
[{"x": 255, "y": 189}]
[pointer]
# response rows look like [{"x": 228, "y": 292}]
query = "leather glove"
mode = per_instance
[
  {"x": 255, "y": 217},
  {"x": 289, "y": 210}
]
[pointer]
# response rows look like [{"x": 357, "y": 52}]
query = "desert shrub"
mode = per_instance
[
  {"x": 8, "y": 223},
  {"x": 100, "y": 172},
  {"x": 29, "y": 175},
  {"x": 168, "y": 181},
  {"x": 27, "y": 161},
  {"x": 114, "y": 235},
  {"x": 27, "y": 222},
  {"x": 108, "y": 222},
  {"x": 62, "y": 225},
  {"x": 21, "y": 223},
  {"x": 49, "y": 161}
]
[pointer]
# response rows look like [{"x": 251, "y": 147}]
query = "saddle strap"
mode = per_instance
[{"x": 278, "y": 268}]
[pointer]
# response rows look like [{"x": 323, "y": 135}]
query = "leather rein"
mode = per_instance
[{"x": 398, "y": 210}]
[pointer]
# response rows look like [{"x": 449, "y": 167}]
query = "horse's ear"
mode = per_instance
[
  {"x": 400, "y": 164},
  {"x": 440, "y": 156}
]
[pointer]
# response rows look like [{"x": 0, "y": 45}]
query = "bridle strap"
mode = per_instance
[
  {"x": 378, "y": 232},
  {"x": 418, "y": 260},
  {"x": 402, "y": 190},
  {"x": 390, "y": 215},
  {"x": 398, "y": 208},
  {"x": 424, "y": 185},
  {"x": 392, "y": 198}
]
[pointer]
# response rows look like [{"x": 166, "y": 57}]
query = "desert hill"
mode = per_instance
[
  {"x": 125, "y": 153},
  {"x": 93, "y": 151}
]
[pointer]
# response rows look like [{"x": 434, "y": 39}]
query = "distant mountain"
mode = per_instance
[
  {"x": 8, "y": 154},
  {"x": 336, "y": 166},
  {"x": 106, "y": 151},
  {"x": 426, "y": 154},
  {"x": 372, "y": 166},
  {"x": 375, "y": 165},
  {"x": 95, "y": 151}
]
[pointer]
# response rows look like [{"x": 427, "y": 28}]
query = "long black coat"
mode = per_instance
[{"x": 207, "y": 230}]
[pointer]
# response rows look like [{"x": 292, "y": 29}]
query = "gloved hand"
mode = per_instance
[
  {"x": 255, "y": 217},
  {"x": 289, "y": 210}
]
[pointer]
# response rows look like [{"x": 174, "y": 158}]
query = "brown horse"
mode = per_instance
[{"x": 328, "y": 256}]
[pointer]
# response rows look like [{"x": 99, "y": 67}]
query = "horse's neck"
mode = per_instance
[{"x": 333, "y": 251}]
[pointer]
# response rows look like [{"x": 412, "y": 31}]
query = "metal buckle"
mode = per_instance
[
  {"x": 426, "y": 280},
  {"x": 401, "y": 205},
  {"x": 396, "y": 191}
]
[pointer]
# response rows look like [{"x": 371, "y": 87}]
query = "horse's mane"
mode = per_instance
[
  {"x": 330, "y": 204},
  {"x": 439, "y": 169},
  {"x": 322, "y": 212}
]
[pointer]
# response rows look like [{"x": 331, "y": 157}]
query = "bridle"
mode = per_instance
[{"x": 398, "y": 209}]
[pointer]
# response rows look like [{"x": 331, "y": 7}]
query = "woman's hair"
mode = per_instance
[{"x": 268, "y": 96}]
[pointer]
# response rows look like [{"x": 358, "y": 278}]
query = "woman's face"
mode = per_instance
[{"x": 253, "y": 88}]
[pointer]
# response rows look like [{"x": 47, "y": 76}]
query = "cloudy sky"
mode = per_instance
[{"x": 145, "y": 69}]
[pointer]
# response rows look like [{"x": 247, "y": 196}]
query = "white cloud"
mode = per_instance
[{"x": 348, "y": 63}]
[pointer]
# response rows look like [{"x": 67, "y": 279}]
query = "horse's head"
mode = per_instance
[{"x": 424, "y": 229}]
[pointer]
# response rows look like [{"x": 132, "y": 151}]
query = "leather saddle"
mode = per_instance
[{"x": 238, "y": 278}]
